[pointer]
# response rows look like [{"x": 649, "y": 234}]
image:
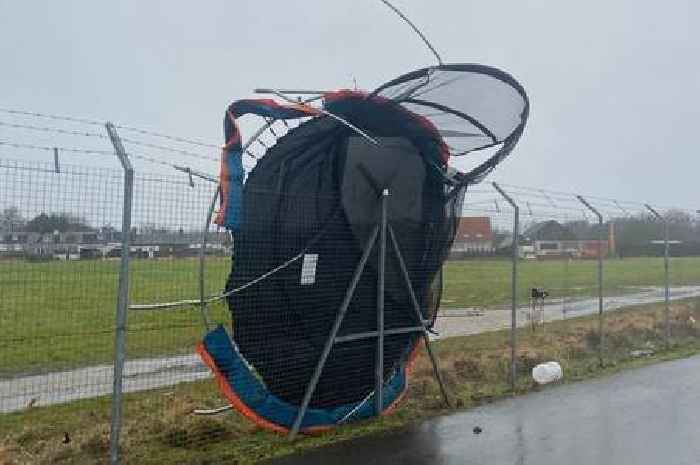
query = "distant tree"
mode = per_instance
[
  {"x": 582, "y": 229},
  {"x": 11, "y": 220},
  {"x": 681, "y": 226},
  {"x": 636, "y": 231},
  {"x": 61, "y": 222}
]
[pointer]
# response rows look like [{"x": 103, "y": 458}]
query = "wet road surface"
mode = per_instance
[
  {"x": 646, "y": 416},
  {"x": 143, "y": 374}
]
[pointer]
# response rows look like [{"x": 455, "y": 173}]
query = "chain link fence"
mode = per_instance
[{"x": 61, "y": 248}]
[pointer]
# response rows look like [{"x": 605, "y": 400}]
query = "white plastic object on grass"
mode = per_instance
[{"x": 545, "y": 373}]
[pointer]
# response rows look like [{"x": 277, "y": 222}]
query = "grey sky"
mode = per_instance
[{"x": 614, "y": 85}]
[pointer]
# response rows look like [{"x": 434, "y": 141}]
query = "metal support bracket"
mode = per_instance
[
  {"x": 419, "y": 316},
  {"x": 380, "y": 234}
]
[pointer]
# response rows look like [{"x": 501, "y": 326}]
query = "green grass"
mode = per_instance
[
  {"x": 487, "y": 282},
  {"x": 58, "y": 315},
  {"x": 159, "y": 426}
]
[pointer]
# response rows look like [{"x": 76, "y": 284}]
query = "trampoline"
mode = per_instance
[{"x": 340, "y": 232}]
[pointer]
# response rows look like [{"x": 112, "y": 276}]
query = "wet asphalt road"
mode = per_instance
[{"x": 646, "y": 416}]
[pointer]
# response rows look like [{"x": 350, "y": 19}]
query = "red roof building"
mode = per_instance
[{"x": 474, "y": 235}]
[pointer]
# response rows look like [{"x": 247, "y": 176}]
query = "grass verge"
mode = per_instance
[{"x": 159, "y": 426}]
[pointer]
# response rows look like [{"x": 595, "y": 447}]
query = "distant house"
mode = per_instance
[
  {"x": 474, "y": 236},
  {"x": 77, "y": 245},
  {"x": 551, "y": 239}
]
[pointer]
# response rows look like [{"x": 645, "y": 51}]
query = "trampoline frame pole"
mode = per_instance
[
  {"x": 202, "y": 258},
  {"x": 419, "y": 316},
  {"x": 381, "y": 268},
  {"x": 311, "y": 387}
]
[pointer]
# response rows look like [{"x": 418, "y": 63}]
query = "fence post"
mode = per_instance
[
  {"x": 514, "y": 285},
  {"x": 667, "y": 282},
  {"x": 601, "y": 335},
  {"x": 122, "y": 297},
  {"x": 56, "y": 165}
]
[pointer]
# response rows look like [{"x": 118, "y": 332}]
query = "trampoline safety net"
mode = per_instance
[{"x": 313, "y": 203}]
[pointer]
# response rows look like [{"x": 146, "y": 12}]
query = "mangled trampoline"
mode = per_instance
[{"x": 340, "y": 232}]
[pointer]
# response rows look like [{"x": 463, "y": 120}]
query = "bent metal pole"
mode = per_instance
[{"x": 122, "y": 298}]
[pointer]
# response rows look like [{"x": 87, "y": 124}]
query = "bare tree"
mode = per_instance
[{"x": 11, "y": 220}]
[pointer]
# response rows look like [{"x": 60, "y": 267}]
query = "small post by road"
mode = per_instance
[
  {"x": 601, "y": 335},
  {"x": 514, "y": 284},
  {"x": 667, "y": 283}
]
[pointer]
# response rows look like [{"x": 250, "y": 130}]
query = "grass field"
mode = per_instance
[
  {"x": 160, "y": 428},
  {"x": 61, "y": 314},
  {"x": 485, "y": 283},
  {"x": 57, "y": 315}
]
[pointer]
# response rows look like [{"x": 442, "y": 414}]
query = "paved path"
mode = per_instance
[
  {"x": 94, "y": 381},
  {"x": 460, "y": 322},
  {"x": 647, "y": 416},
  {"x": 144, "y": 374}
]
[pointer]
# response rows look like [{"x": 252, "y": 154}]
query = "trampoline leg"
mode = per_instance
[
  {"x": 436, "y": 370},
  {"x": 311, "y": 387},
  {"x": 419, "y": 316},
  {"x": 379, "y": 363}
]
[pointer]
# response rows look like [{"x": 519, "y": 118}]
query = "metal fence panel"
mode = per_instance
[{"x": 60, "y": 250}]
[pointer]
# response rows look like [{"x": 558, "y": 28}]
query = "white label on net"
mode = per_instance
[{"x": 308, "y": 269}]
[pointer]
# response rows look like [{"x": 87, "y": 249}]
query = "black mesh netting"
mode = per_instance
[
  {"x": 315, "y": 196},
  {"x": 475, "y": 107},
  {"x": 318, "y": 191}
]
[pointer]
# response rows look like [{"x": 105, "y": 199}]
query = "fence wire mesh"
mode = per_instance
[
  {"x": 59, "y": 277},
  {"x": 60, "y": 250}
]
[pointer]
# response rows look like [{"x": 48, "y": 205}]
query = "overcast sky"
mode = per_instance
[{"x": 614, "y": 85}]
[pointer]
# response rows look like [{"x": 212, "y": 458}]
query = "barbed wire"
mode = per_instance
[
  {"x": 54, "y": 130},
  {"x": 123, "y": 127},
  {"x": 93, "y": 122},
  {"x": 51, "y": 116},
  {"x": 535, "y": 203},
  {"x": 166, "y": 136},
  {"x": 523, "y": 192},
  {"x": 104, "y": 136},
  {"x": 50, "y": 149},
  {"x": 526, "y": 191},
  {"x": 138, "y": 156},
  {"x": 564, "y": 206},
  {"x": 169, "y": 149}
]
